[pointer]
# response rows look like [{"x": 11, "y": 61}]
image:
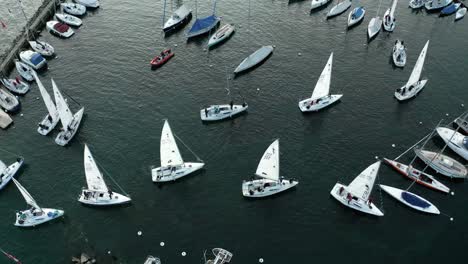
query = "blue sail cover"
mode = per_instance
[
  {"x": 359, "y": 12},
  {"x": 449, "y": 10},
  {"x": 203, "y": 25},
  {"x": 36, "y": 59},
  {"x": 414, "y": 200}
]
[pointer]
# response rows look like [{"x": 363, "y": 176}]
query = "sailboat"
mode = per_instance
[
  {"x": 204, "y": 25},
  {"x": 339, "y": 8},
  {"x": 321, "y": 96},
  {"x": 268, "y": 170},
  {"x": 455, "y": 140},
  {"x": 36, "y": 215},
  {"x": 399, "y": 54},
  {"x": 356, "y": 16},
  {"x": 97, "y": 192},
  {"x": 389, "y": 21},
  {"x": 356, "y": 194},
  {"x": 152, "y": 260},
  {"x": 221, "y": 35},
  {"x": 374, "y": 24},
  {"x": 434, "y": 5},
  {"x": 52, "y": 118},
  {"x": 410, "y": 199},
  {"x": 255, "y": 58},
  {"x": 9, "y": 102},
  {"x": 462, "y": 122},
  {"x": 172, "y": 166},
  {"x": 414, "y": 84},
  {"x": 16, "y": 85},
  {"x": 7, "y": 173},
  {"x": 221, "y": 256},
  {"x": 42, "y": 47},
  {"x": 180, "y": 17},
  {"x": 460, "y": 13},
  {"x": 24, "y": 70},
  {"x": 70, "y": 122},
  {"x": 442, "y": 164},
  {"x": 318, "y": 3}
]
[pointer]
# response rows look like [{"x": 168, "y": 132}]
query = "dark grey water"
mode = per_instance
[{"x": 105, "y": 67}]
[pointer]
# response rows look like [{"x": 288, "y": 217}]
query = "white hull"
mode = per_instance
[
  {"x": 31, "y": 220},
  {"x": 442, "y": 164},
  {"x": 405, "y": 93},
  {"x": 102, "y": 199},
  {"x": 26, "y": 56},
  {"x": 306, "y": 106},
  {"x": 254, "y": 59},
  {"x": 179, "y": 172},
  {"x": 266, "y": 187},
  {"x": 24, "y": 70},
  {"x": 10, "y": 172},
  {"x": 221, "y": 35},
  {"x": 47, "y": 124},
  {"x": 73, "y": 9},
  {"x": 89, "y": 3},
  {"x": 436, "y": 4},
  {"x": 8, "y": 101},
  {"x": 50, "y": 26},
  {"x": 339, "y": 9},
  {"x": 353, "y": 19},
  {"x": 41, "y": 47},
  {"x": 389, "y": 21},
  {"x": 416, "y": 4},
  {"x": 221, "y": 112},
  {"x": 460, "y": 13},
  {"x": 398, "y": 194},
  {"x": 456, "y": 141},
  {"x": 318, "y": 3},
  {"x": 374, "y": 27},
  {"x": 16, "y": 87},
  {"x": 69, "y": 19},
  {"x": 180, "y": 16},
  {"x": 355, "y": 204},
  {"x": 399, "y": 54},
  {"x": 67, "y": 134}
]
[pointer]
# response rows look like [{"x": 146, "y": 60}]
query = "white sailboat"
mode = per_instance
[
  {"x": 321, "y": 96},
  {"x": 455, "y": 140},
  {"x": 180, "y": 17},
  {"x": 411, "y": 200},
  {"x": 52, "y": 118},
  {"x": 221, "y": 256},
  {"x": 73, "y": 9},
  {"x": 7, "y": 173},
  {"x": 442, "y": 164},
  {"x": 221, "y": 35},
  {"x": 254, "y": 58},
  {"x": 268, "y": 170},
  {"x": 460, "y": 13},
  {"x": 16, "y": 85},
  {"x": 416, "y": 4},
  {"x": 375, "y": 24},
  {"x": 36, "y": 215},
  {"x": 389, "y": 21},
  {"x": 356, "y": 194},
  {"x": 24, "y": 70},
  {"x": 70, "y": 122},
  {"x": 69, "y": 19},
  {"x": 399, "y": 54},
  {"x": 318, "y": 3},
  {"x": 339, "y": 8},
  {"x": 414, "y": 84},
  {"x": 97, "y": 192},
  {"x": 42, "y": 47},
  {"x": 172, "y": 166},
  {"x": 356, "y": 16}
]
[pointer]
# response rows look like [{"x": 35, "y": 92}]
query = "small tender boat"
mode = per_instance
[
  {"x": 152, "y": 260},
  {"x": 162, "y": 58},
  {"x": 172, "y": 166},
  {"x": 220, "y": 112},
  {"x": 399, "y": 54},
  {"x": 36, "y": 215},
  {"x": 5, "y": 119},
  {"x": 414, "y": 84},
  {"x": 356, "y": 16},
  {"x": 462, "y": 122},
  {"x": 42, "y": 47},
  {"x": 254, "y": 58},
  {"x": 442, "y": 164},
  {"x": 318, "y": 3},
  {"x": 97, "y": 192},
  {"x": 375, "y": 24},
  {"x": 356, "y": 194},
  {"x": 88, "y": 3},
  {"x": 52, "y": 118},
  {"x": 389, "y": 21},
  {"x": 456, "y": 141},
  {"x": 69, "y": 19},
  {"x": 433, "y": 5},
  {"x": 221, "y": 256},
  {"x": 460, "y": 13},
  {"x": 339, "y": 9},
  {"x": 59, "y": 29},
  {"x": 7, "y": 173},
  {"x": 268, "y": 170},
  {"x": 16, "y": 86},
  {"x": 33, "y": 59},
  {"x": 321, "y": 96},
  {"x": 450, "y": 9},
  {"x": 203, "y": 26},
  {"x": 8, "y": 101},
  {"x": 180, "y": 17},
  {"x": 417, "y": 176},
  {"x": 221, "y": 35},
  {"x": 410, "y": 199},
  {"x": 73, "y": 9},
  {"x": 24, "y": 70},
  {"x": 416, "y": 4}
]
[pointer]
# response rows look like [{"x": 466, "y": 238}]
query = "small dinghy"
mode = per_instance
[
  {"x": 162, "y": 58},
  {"x": 389, "y": 21},
  {"x": 221, "y": 256},
  {"x": 16, "y": 86},
  {"x": 36, "y": 215},
  {"x": 410, "y": 199},
  {"x": 254, "y": 58},
  {"x": 414, "y": 84},
  {"x": 70, "y": 122},
  {"x": 59, "y": 29},
  {"x": 5, "y": 119},
  {"x": 450, "y": 9},
  {"x": 221, "y": 35},
  {"x": 7, "y": 173},
  {"x": 220, "y": 112},
  {"x": 203, "y": 25},
  {"x": 399, "y": 54},
  {"x": 43, "y": 48},
  {"x": 442, "y": 164},
  {"x": 417, "y": 176},
  {"x": 172, "y": 166},
  {"x": 356, "y": 194},
  {"x": 152, "y": 260},
  {"x": 375, "y": 24},
  {"x": 318, "y": 3},
  {"x": 460, "y": 13},
  {"x": 456, "y": 141},
  {"x": 33, "y": 59},
  {"x": 89, "y": 3},
  {"x": 356, "y": 16},
  {"x": 97, "y": 192},
  {"x": 321, "y": 96},
  {"x": 462, "y": 122},
  {"x": 180, "y": 17},
  {"x": 24, "y": 70},
  {"x": 416, "y": 4},
  {"x": 52, "y": 118},
  {"x": 9, "y": 102},
  {"x": 434, "y": 5},
  {"x": 269, "y": 171},
  {"x": 339, "y": 9},
  {"x": 69, "y": 19},
  {"x": 73, "y": 9}
]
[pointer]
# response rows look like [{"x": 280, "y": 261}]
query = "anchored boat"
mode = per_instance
[
  {"x": 16, "y": 86},
  {"x": 339, "y": 9},
  {"x": 389, "y": 21},
  {"x": 59, "y": 29},
  {"x": 434, "y": 5},
  {"x": 221, "y": 35},
  {"x": 162, "y": 58},
  {"x": 399, "y": 54},
  {"x": 356, "y": 16},
  {"x": 52, "y": 118},
  {"x": 180, "y": 17},
  {"x": 410, "y": 199},
  {"x": 69, "y": 19},
  {"x": 89, "y": 3},
  {"x": 221, "y": 256},
  {"x": 24, "y": 70},
  {"x": 73, "y": 9},
  {"x": 456, "y": 141},
  {"x": 33, "y": 59},
  {"x": 8, "y": 101},
  {"x": 442, "y": 164},
  {"x": 318, "y": 3},
  {"x": 7, "y": 173}
]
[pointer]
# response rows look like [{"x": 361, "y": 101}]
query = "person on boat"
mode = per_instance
[
  {"x": 244, "y": 104},
  {"x": 231, "y": 104},
  {"x": 49, "y": 117},
  {"x": 369, "y": 203},
  {"x": 206, "y": 112},
  {"x": 110, "y": 194},
  {"x": 340, "y": 191},
  {"x": 349, "y": 197}
]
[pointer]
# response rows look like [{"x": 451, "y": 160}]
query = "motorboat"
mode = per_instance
[
  {"x": 69, "y": 19},
  {"x": 33, "y": 59},
  {"x": 24, "y": 70},
  {"x": 60, "y": 29},
  {"x": 9, "y": 102},
  {"x": 460, "y": 13},
  {"x": 73, "y": 9},
  {"x": 16, "y": 86},
  {"x": 356, "y": 16}
]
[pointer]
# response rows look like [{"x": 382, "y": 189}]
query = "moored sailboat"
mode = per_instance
[
  {"x": 7, "y": 173},
  {"x": 52, "y": 118},
  {"x": 454, "y": 140},
  {"x": 442, "y": 164},
  {"x": 389, "y": 21},
  {"x": 410, "y": 199}
]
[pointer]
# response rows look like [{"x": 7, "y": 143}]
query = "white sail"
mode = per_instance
[
  {"x": 170, "y": 154},
  {"x": 268, "y": 167},
  {"x": 46, "y": 97},
  {"x": 392, "y": 10},
  {"x": 94, "y": 177},
  {"x": 416, "y": 73},
  {"x": 27, "y": 197},
  {"x": 65, "y": 114},
  {"x": 362, "y": 185},
  {"x": 322, "y": 88}
]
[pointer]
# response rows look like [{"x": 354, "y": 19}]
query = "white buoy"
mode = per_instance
[
  {"x": 204, "y": 49},
  {"x": 447, "y": 114},
  {"x": 452, "y": 193},
  {"x": 462, "y": 105},
  {"x": 376, "y": 157},
  {"x": 109, "y": 252},
  {"x": 274, "y": 46},
  {"x": 451, "y": 218},
  {"x": 37, "y": 98},
  {"x": 299, "y": 54},
  {"x": 175, "y": 45},
  {"x": 183, "y": 254},
  {"x": 21, "y": 114},
  {"x": 420, "y": 122},
  {"x": 139, "y": 233},
  {"x": 260, "y": 260},
  {"x": 161, "y": 244},
  {"x": 393, "y": 145},
  {"x": 258, "y": 89}
]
